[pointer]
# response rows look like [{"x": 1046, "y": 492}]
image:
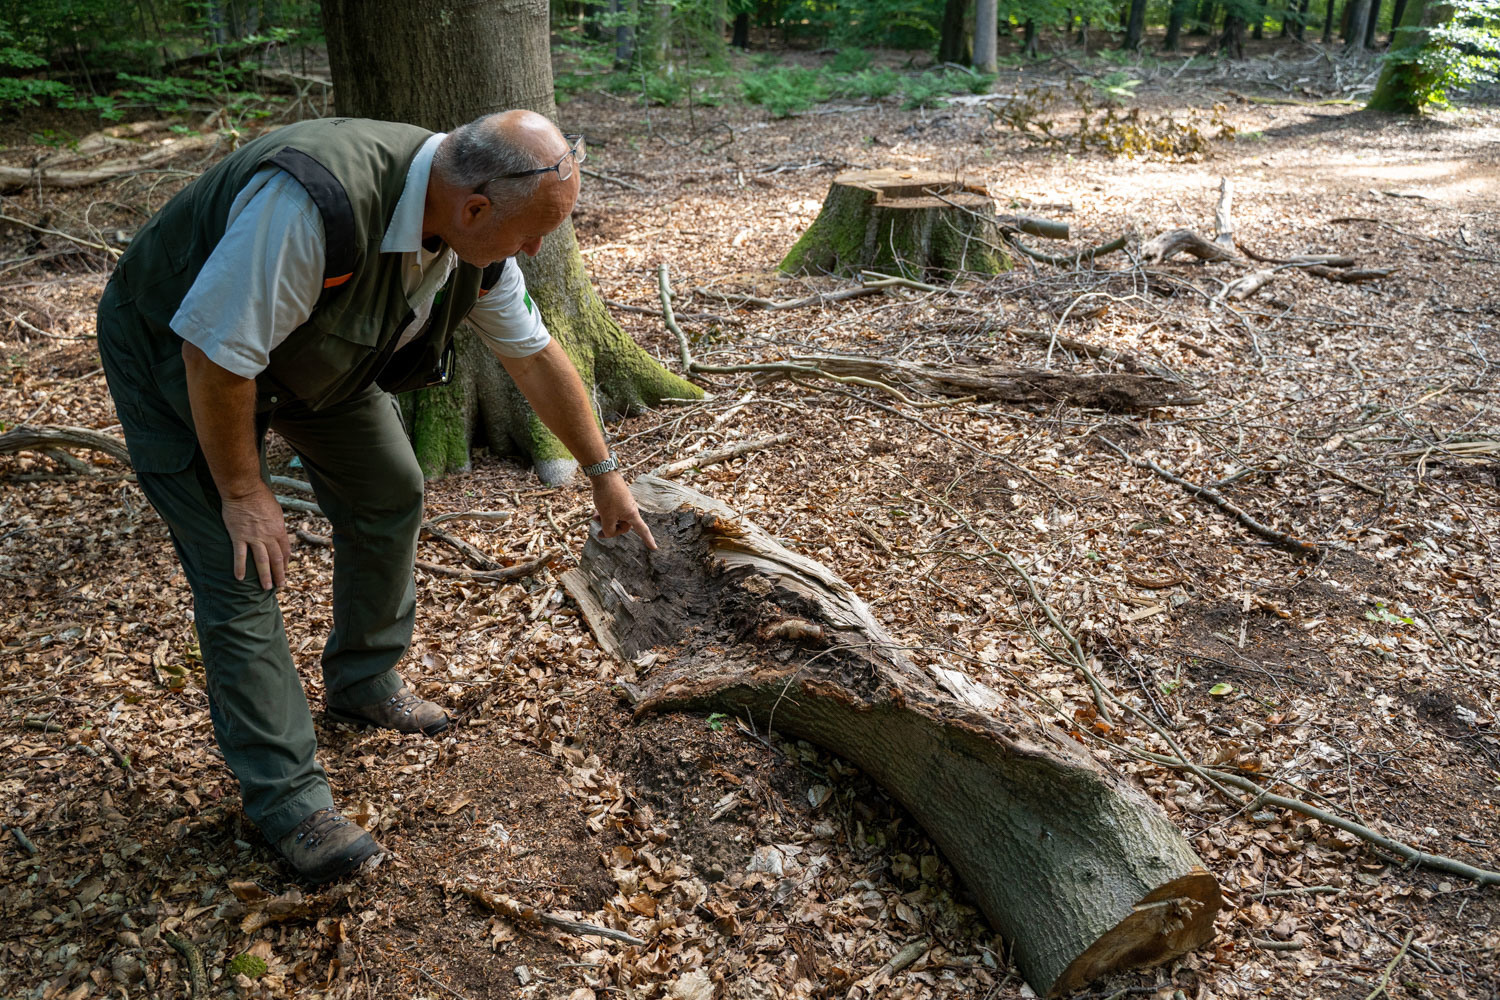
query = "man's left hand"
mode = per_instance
[{"x": 615, "y": 509}]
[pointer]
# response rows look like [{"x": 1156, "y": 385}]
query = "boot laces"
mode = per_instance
[{"x": 319, "y": 825}]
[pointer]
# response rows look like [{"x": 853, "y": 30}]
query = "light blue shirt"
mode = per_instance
[{"x": 265, "y": 276}]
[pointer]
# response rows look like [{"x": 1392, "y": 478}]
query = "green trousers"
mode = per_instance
[{"x": 367, "y": 482}]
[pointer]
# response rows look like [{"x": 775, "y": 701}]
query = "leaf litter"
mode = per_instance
[{"x": 753, "y": 866}]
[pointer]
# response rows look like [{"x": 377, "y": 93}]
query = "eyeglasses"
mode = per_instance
[{"x": 564, "y": 166}]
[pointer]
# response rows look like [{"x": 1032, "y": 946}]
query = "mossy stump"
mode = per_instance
[{"x": 904, "y": 223}]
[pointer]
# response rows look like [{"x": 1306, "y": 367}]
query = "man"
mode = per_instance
[{"x": 296, "y": 285}]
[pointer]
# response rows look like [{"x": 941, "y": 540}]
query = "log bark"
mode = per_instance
[
  {"x": 1079, "y": 870},
  {"x": 901, "y": 222}
]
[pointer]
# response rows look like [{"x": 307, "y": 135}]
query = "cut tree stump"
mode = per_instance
[
  {"x": 901, "y": 222},
  {"x": 1079, "y": 870}
]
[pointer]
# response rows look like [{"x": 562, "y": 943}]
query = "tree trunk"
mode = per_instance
[
  {"x": 1233, "y": 38},
  {"x": 1397, "y": 13},
  {"x": 1301, "y": 24},
  {"x": 1372, "y": 24},
  {"x": 1083, "y": 34},
  {"x": 1328, "y": 22},
  {"x": 394, "y": 60},
  {"x": 741, "y": 38},
  {"x": 1028, "y": 44},
  {"x": 986, "y": 34},
  {"x": 953, "y": 42},
  {"x": 1135, "y": 25},
  {"x": 624, "y": 33},
  {"x": 1359, "y": 16},
  {"x": 1259, "y": 32},
  {"x": 1080, "y": 872},
  {"x": 1405, "y": 83},
  {"x": 898, "y": 222},
  {"x": 1175, "y": 18}
]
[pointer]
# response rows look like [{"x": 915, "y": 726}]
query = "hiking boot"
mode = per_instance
[
  {"x": 325, "y": 845},
  {"x": 402, "y": 711}
]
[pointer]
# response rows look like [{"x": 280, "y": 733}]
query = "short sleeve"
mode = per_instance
[
  {"x": 262, "y": 279},
  {"x": 508, "y": 319}
]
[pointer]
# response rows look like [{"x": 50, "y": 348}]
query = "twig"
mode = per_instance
[
  {"x": 1268, "y": 945},
  {"x": 23, "y": 840},
  {"x": 477, "y": 558},
  {"x": 438, "y": 982},
  {"x": 53, "y": 232},
  {"x": 874, "y": 279},
  {"x": 197, "y": 977},
  {"x": 1072, "y": 260},
  {"x": 1385, "y": 977},
  {"x": 816, "y": 299},
  {"x": 470, "y": 515},
  {"x": 671, "y": 321},
  {"x": 644, "y": 311},
  {"x": 706, "y": 458},
  {"x": 613, "y": 180},
  {"x": 1278, "y": 538},
  {"x": 505, "y": 906},
  {"x": 501, "y": 575}
]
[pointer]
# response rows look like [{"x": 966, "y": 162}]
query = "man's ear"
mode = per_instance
[{"x": 474, "y": 208}]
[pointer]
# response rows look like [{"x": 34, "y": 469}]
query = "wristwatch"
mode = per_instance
[{"x": 598, "y": 469}]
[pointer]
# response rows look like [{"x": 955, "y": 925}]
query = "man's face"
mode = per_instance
[{"x": 480, "y": 240}]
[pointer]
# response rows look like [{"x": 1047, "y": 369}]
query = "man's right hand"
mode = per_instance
[
  {"x": 224, "y": 413},
  {"x": 257, "y": 528}
]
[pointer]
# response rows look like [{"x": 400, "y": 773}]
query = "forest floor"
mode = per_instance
[{"x": 1360, "y": 417}]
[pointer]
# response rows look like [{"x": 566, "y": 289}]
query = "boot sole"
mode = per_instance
[{"x": 431, "y": 729}]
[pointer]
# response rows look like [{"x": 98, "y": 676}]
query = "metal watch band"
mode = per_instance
[{"x": 610, "y": 464}]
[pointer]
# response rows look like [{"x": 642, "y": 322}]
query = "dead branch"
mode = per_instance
[
  {"x": 1032, "y": 225},
  {"x": 197, "y": 977},
  {"x": 471, "y": 515},
  {"x": 1247, "y": 285},
  {"x": 1349, "y": 277},
  {"x": 12, "y": 178},
  {"x": 1169, "y": 244},
  {"x": 87, "y": 244},
  {"x": 645, "y": 311},
  {"x": 706, "y": 458},
  {"x": 1072, "y": 260},
  {"x": 816, "y": 299},
  {"x": 502, "y": 575},
  {"x": 1278, "y": 538},
  {"x": 29, "y": 438},
  {"x": 613, "y": 180},
  {"x": 1224, "y": 215},
  {"x": 527, "y": 914}
]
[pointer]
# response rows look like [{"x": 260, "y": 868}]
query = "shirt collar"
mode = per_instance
[{"x": 404, "y": 234}]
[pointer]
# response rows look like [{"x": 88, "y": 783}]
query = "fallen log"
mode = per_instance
[
  {"x": 12, "y": 178},
  {"x": 30, "y": 438},
  {"x": 1079, "y": 870},
  {"x": 1173, "y": 242}
]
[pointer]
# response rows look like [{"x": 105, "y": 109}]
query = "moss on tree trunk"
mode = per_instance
[
  {"x": 402, "y": 62},
  {"x": 898, "y": 222}
]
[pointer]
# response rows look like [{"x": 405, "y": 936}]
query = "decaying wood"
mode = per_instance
[
  {"x": 527, "y": 914},
  {"x": 1173, "y": 242},
  {"x": 1082, "y": 873},
  {"x": 735, "y": 450},
  {"x": 1224, "y": 215},
  {"x": 193, "y": 959},
  {"x": 1032, "y": 225},
  {"x": 1247, "y": 285},
  {"x": 903, "y": 222}
]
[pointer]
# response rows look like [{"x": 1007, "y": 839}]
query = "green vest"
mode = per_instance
[{"x": 355, "y": 171}]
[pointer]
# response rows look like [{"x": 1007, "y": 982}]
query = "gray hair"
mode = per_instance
[{"x": 477, "y": 155}]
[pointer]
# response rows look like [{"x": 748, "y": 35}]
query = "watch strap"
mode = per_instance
[{"x": 610, "y": 464}]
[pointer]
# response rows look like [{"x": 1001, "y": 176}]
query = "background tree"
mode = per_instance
[
  {"x": 400, "y": 61},
  {"x": 1439, "y": 45},
  {"x": 1135, "y": 25},
  {"x": 985, "y": 36}
]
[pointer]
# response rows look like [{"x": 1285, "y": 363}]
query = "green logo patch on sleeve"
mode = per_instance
[{"x": 526, "y": 297}]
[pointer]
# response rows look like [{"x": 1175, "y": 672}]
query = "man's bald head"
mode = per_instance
[
  {"x": 476, "y": 156},
  {"x": 480, "y": 212}
]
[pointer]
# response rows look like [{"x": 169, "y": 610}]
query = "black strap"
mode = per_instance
[
  {"x": 491, "y": 276},
  {"x": 333, "y": 204}
]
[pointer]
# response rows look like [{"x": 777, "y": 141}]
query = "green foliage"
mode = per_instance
[
  {"x": 163, "y": 56},
  {"x": 1454, "y": 49},
  {"x": 786, "y": 89},
  {"x": 850, "y": 60},
  {"x": 1117, "y": 87},
  {"x": 929, "y": 86}
]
